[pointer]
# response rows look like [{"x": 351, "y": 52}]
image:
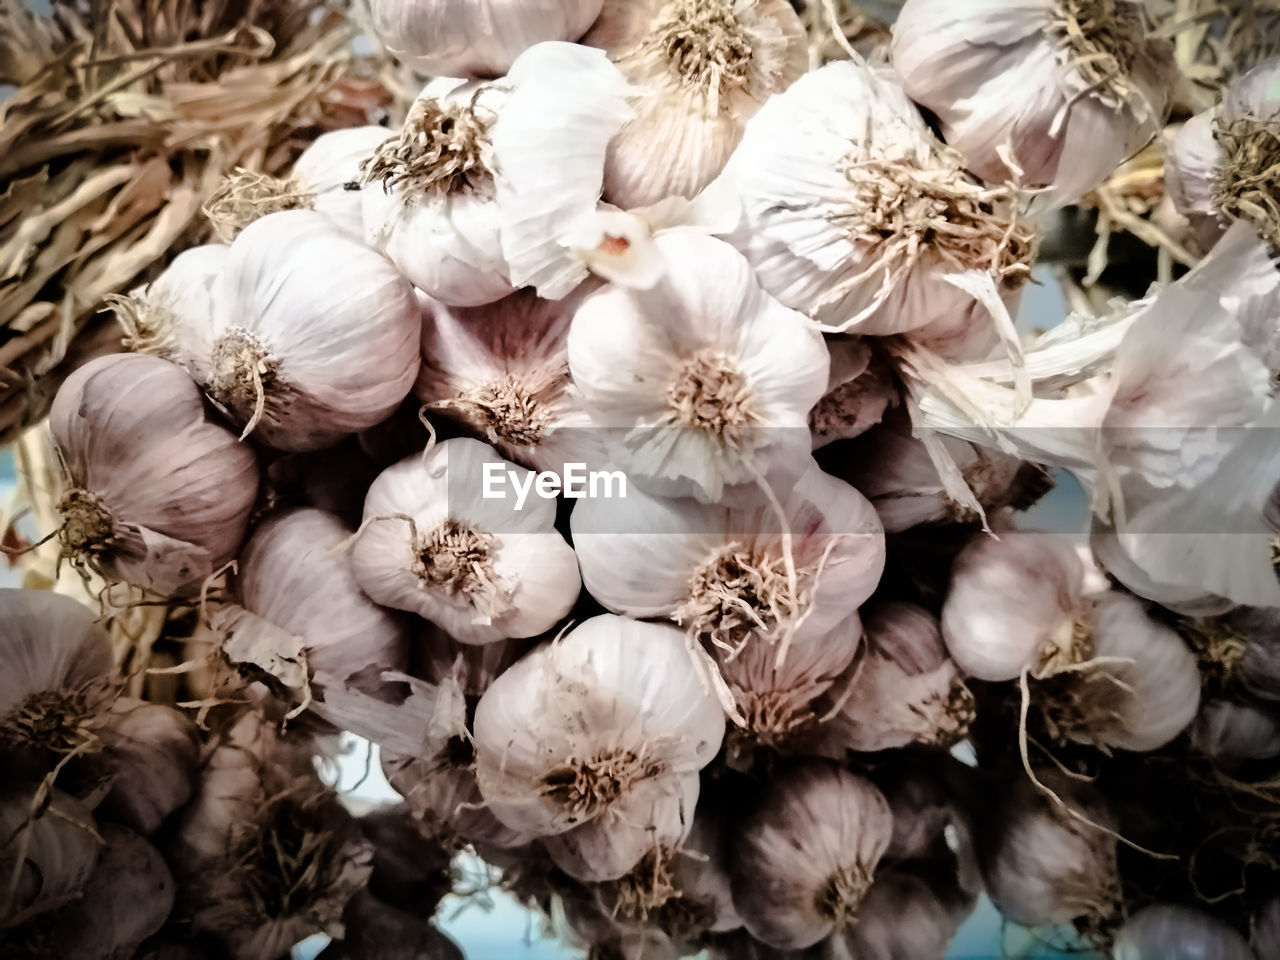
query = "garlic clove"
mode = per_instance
[{"x": 618, "y": 246}]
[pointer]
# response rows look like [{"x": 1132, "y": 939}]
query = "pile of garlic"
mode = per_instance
[{"x": 631, "y": 446}]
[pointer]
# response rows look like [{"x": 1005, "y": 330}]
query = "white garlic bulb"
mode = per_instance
[
  {"x": 1165, "y": 931},
  {"x": 483, "y": 568},
  {"x": 157, "y": 494},
  {"x": 596, "y": 740},
  {"x": 1013, "y": 604},
  {"x": 803, "y": 861},
  {"x": 855, "y": 215},
  {"x": 478, "y": 194},
  {"x": 502, "y": 370},
  {"x": 181, "y": 296},
  {"x": 702, "y": 383},
  {"x": 702, "y": 68},
  {"x": 475, "y": 38},
  {"x": 1070, "y": 88}
]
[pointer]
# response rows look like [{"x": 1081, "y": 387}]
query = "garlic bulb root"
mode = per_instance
[
  {"x": 456, "y": 558},
  {"x": 245, "y": 195},
  {"x": 740, "y": 590},
  {"x": 1248, "y": 183},
  {"x": 585, "y": 788},
  {"x": 444, "y": 148},
  {"x": 245, "y": 379}
]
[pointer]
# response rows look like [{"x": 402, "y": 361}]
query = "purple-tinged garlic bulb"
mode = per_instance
[
  {"x": 313, "y": 336},
  {"x": 1192, "y": 165},
  {"x": 325, "y": 178},
  {"x": 859, "y": 391},
  {"x": 904, "y": 916},
  {"x": 1069, "y": 88},
  {"x": 904, "y": 688},
  {"x": 701, "y": 69},
  {"x": 725, "y": 573},
  {"x": 152, "y": 754},
  {"x": 1165, "y": 931},
  {"x": 802, "y": 862},
  {"x": 1013, "y": 606},
  {"x": 594, "y": 742},
  {"x": 475, "y": 38},
  {"x": 48, "y": 851},
  {"x": 265, "y": 854},
  {"x": 502, "y": 370},
  {"x": 1040, "y": 864},
  {"x": 481, "y": 567},
  {"x": 479, "y": 193},
  {"x": 1232, "y": 732},
  {"x": 702, "y": 384},
  {"x": 157, "y": 494},
  {"x": 854, "y": 214}
]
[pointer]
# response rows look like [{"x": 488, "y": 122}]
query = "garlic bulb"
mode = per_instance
[
  {"x": 722, "y": 572},
  {"x": 182, "y": 295},
  {"x": 482, "y": 568},
  {"x": 478, "y": 194},
  {"x": 502, "y": 371},
  {"x": 1231, "y": 732},
  {"x": 1259, "y": 667},
  {"x": 1143, "y": 691},
  {"x": 802, "y": 862},
  {"x": 1266, "y": 929},
  {"x": 902, "y": 916},
  {"x": 1192, "y": 164},
  {"x": 157, "y": 494},
  {"x": 473, "y": 667},
  {"x": 475, "y": 38},
  {"x": 855, "y": 215},
  {"x": 152, "y": 753},
  {"x": 859, "y": 391},
  {"x": 704, "y": 382},
  {"x": 325, "y": 178},
  {"x": 1043, "y": 866},
  {"x": 904, "y": 687},
  {"x": 265, "y": 854},
  {"x": 702, "y": 68},
  {"x": 1164, "y": 931},
  {"x": 595, "y": 741},
  {"x": 47, "y": 854},
  {"x": 1091, "y": 86},
  {"x": 313, "y": 336},
  {"x": 373, "y": 930},
  {"x": 1039, "y": 578}
]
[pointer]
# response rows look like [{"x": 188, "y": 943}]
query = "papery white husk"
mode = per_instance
[
  {"x": 818, "y": 248},
  {"x": 1166, "y": 931},
  {"x": 999, "y": 77},
  {"x": 628, "y": 350},
  {"x": 1012, "y": 604},
  {"x": 804, "y": 859},
  {"x": 502, "y": 370},
  {"x": 527, "y": 578},
  {"x": 310, "y": 325},
  {"x": 611, "y": 690},
  {"x": 642, "y": 556},
  {"x": 133, "y": 438},
  {"x": 545, "y": 127},
  {"x": 479, "y": 38},
  {"x": 1230, "y": 732},
  {"x": 859, "y": 391},
  {"x": 687, "y": 123}
]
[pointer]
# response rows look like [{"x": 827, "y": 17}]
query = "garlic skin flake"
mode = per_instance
[
  {"x": 702, "y": 68},
  {"x": 479, "y": 567},
  {"x": 856, "y": 215},
  {"x": 157, "y": 494},
  {"x": 1070, "y": 88},
  {"x": 597, "y": 739},
  {"x": 704, "y": 382},
  {"x": 475, "y": 38}
]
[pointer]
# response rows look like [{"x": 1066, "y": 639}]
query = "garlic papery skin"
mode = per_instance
[
  {"x": 597, "y": 739},
  {"x": 475, "y": 38},
  {"x": 1142, "y": 691},
  {"x": 314, "y": 335},
  {"x": 48, "y": 854},
  {"x": 157, "y": 494},
  {"x": 182, "y": 296},
  {"x": 721, "y": 572},
  {"x": 1092, "y": 87},
  {"x": 502, "y": 370},
  {"x": 702, "y": 68},
  {"x": 1192, "y": 165},
  {"x": 859, "y": 391},
  {"x": 1166, "y": 931},
  {"x": 703, "y": 383},
  {"x": 804, "y": 859},
  {"x": 855, "y": 215},
  {"x": 1013, "y": 604},
  {"x": 1233, "y": 732},
  {"x": 325, "y": 178},
  {"x": 481, "y": 568},
  {"x": 1040, "y": 864},
  {"x": 904, "y": 688},
  {"x": 480, "y": 192},
  {"x": 152, "y": 753}
]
